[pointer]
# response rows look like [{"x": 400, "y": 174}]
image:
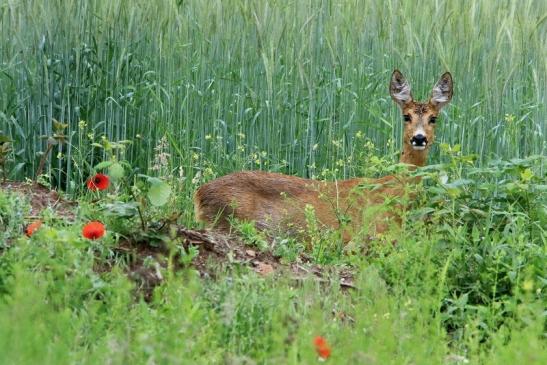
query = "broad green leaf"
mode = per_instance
[
  {"x": 152, "y": 180},
  {"x": 103, "y": 165},
  {"x": 159, "y": 193},
  {"x": 121, "y": 209},
  {"x": 116, "y": 171},
  {"x": 459, "y": 182}
]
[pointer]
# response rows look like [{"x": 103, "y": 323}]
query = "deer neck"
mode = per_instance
[{"x": 412, "y": 157}]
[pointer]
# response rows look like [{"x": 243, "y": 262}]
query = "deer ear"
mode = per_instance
[
  {"x": 399, "y": 89},
  {"x": 442, "y": 91}
]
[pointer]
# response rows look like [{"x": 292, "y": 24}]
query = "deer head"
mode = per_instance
[{"x": 419, "y": 118}]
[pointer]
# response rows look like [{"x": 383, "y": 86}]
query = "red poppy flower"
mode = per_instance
[
  {"x": 323, "y": 352},
  {"x": 322, "y": 347},
  {"x": 33, "y": 227},
  {"x": 98, "y": 182},
  {"x": 93, "y": 230},
  {"x": 319, "y": 341}
]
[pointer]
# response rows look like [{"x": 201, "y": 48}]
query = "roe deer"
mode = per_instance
[{"x": 277, "y": 201}]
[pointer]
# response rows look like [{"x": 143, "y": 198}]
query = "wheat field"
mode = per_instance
[{"x": 288, "y": 82}]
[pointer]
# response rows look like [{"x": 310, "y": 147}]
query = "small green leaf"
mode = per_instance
[
  {"x": 159, "y": 193},
  {"x": 453, "y": 192},
  {"x": 527, "y": 175},
  {"x": 443, "y": 178}
]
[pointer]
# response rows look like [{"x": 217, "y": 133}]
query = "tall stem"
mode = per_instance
[{"x": 43, "y": 161}]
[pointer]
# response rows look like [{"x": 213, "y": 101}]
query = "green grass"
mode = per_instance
[
  {"x": 190, "y": 90},
  {"x": 465, "y": 282}
]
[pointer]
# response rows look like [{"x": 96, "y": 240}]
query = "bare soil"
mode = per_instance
[{"x": 41, "y": 198}]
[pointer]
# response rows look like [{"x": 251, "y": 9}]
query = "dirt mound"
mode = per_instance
[
  {"x": 146, "y": 261},
  {"x": 41, "y": 198},
  {"x": 218, "y": 250}
]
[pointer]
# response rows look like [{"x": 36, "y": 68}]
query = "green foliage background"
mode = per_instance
[
  {"x": 286, "y": 75},
  {"x": 180, "y": 92}
]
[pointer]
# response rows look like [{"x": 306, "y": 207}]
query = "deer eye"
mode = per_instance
[
  {"x": 432, "y": 120},
  {"x": 406, "y": 117}
]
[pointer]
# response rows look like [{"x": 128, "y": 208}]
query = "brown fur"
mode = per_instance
[
  {"x": 276, "y": 201},
  {"x": 420, "y": 114}
]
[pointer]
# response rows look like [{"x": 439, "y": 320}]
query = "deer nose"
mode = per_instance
[{"x": 419, "y": 140}]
